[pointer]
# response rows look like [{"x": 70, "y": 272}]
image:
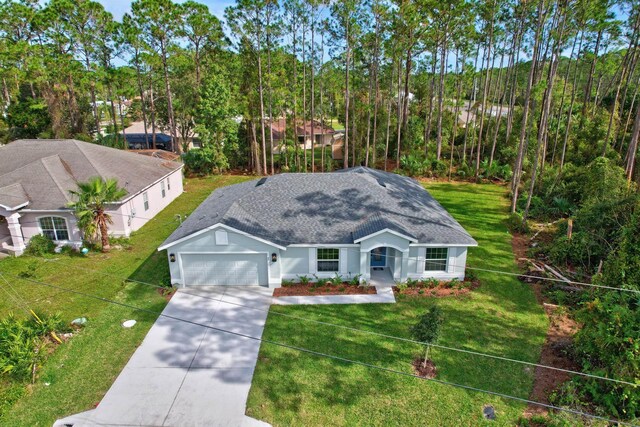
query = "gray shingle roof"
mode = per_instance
[
  {"x": 47, "y": 169},
  {"x": 337, "y": 207}
]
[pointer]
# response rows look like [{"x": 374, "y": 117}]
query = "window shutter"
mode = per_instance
[
  {"x": 343, "y": 261},
  {"x": 313, "y": 265},
  {"x": 422, "y": 253}
]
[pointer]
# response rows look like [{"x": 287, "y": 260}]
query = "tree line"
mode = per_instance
[{"x": 455, "y": 87}]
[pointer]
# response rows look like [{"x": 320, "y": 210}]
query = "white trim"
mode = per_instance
[
  {"x": 441, "y": 245},
  {"x": 385, "y": 230},
  {"x": 46, "y": 210},
  {"x": 323, "y": 245},
  {"x": 15, "y": 208},
  {"x": 180, "y": 266},
  {"x": 66, "y": 223},
  {"x": 213, "y": 227},
  {"x": 386, "y": 245}
]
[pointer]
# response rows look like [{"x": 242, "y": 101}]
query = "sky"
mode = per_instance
[{"x": 120, "y": 7}]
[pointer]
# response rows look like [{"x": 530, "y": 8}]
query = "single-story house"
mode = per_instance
[
  {"x": 37, "y": 175},
  {"x": 350, "y": 222}
]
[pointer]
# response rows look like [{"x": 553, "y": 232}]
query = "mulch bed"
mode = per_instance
[
  {"x": 442, "y": 290},
  {"x": 328, "y": 289},
  {"x": 428, "y": 371}
]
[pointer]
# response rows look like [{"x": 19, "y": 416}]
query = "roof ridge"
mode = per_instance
[
  {"x": 53, "y": 178},
  {"x": 80, "y": 148}
]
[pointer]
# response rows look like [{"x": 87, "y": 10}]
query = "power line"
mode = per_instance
[
  {"x": 330, "y": 356},
  {"x": 476, "y": 353},
  {"x": 15, "y": 297}
]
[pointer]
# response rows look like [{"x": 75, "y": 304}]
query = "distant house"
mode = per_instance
[
  {"x": 323, "y": 134},
  {"x": 37, "y": 175},
  {"x": 137, "y": 138}
]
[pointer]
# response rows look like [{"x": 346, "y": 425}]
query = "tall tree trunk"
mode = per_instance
[
  {"x": 456, "y": 111},
  {"x": 443, "y": 60},
  {"x": 633, "y": 147},
  {"x": 313, "y": 111},
  {"x": 167, "y": 86},
  {"x": 567, "y": 129},
  {"x": 345, "y": 163},
  {"x": 386, "y": 147},
  {"x": 517, "y": 170},
  {"x": 432, "y": 89},
  {"x": 484, "y": 99},
  {"x": 261, "y": 94},
  {"x": 143, "y": 107},
  {"x": 400, "y": 119}
]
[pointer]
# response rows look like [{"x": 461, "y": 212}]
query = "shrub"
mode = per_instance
[
  {"x": 22, "y": 344},
  {"x": 515, "y": 223},
  {"x": 401, "y": 286},
  {"x": 455, "y": 283},
  {"x": 286, "y": 283},
  {"x": 412, "y": 283},
  {"x": 355, "y": 280},
  {"x": 470, "y": 275},
  {"x": 40, "y": 245},
  {"x": 304, "y": 280},
  {"x": 336, "y": 280},
  {"x": 431, "y": 283}
]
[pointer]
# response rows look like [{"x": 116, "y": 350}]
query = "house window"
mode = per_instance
[
  {"x": 145, "y": 199},
  {"x": 328, "y": 259},
  {"x": 164, "y": 193},
  {"x": 436, "y": 259},
  {"x": 54, "y": 227},
  {"x": 168, "y": 183}
]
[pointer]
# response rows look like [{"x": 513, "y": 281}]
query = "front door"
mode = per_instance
[{"x": 379, "y": 257}]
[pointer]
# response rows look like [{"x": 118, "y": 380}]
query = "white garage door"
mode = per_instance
[{"x": 225, "y": 269}]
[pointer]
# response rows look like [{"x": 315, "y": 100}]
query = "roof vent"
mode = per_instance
[
  {"x": 261, "y": 181},
  {"x": 382, "y": 183}
]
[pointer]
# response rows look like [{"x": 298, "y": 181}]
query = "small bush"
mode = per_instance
[
  {"x": 431, "y": 283},
  {"x": 515, "y": 223},
  {"x": 401, "y": 286},
  {"x": 40, "y": 245},
  {"x": 355, "y": 280},
  {"x": 304, "y": 280},
  {"x": 412, "y": 283},
  {"x": 336, "y": 280},
  {"x": 23, "y": 344},
  {"x": 455, "y": 283},
  {"x": 470, "y": 275},
  {"x": 286, "y": 283}
]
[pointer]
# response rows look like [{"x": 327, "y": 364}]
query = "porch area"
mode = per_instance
[{"x": 11, "y": 239}]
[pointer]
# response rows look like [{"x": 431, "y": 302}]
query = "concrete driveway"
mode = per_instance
[{"x": 188, "y": 375}]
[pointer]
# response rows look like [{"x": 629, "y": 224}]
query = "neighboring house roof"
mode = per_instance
[
  {"x": 41, "y": 172},
  {"x": 279, "y": 126},
  {"x": 327, "y": 208}
]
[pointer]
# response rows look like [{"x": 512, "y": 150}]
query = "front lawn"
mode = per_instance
[
  {"x": 79, "y": 372},
  {"x": 501, "y": 317}
]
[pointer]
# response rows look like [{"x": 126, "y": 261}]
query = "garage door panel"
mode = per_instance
[{"x": 225, "y": 269}]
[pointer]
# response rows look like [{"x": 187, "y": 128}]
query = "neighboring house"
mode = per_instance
[
  {"x": 323, "y": 134},
  {"x": 137, "y": 138},
  {"x": 350, "y": 222},
  {"x": 37, "y": 175}
]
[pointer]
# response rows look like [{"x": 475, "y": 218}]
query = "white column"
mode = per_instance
[
  {"x": 15, "y": 231},
  {"x": 405, "y": 266},
  {"x": 364, "y": 266}
]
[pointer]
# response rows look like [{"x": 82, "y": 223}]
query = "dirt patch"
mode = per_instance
[
  {"x": 327, "y": 289},
  {"x": 427, "y": 371},
  {"x": 520, "y": 245},
  {"x": 166, "y": 293},
  {"x": 554, "y": 353}
]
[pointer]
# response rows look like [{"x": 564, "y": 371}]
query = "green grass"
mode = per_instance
[
  {"x": 80, "y": 371},
  {"x": 501, "y": 318}
]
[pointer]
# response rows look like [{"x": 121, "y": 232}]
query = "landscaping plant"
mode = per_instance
[{"x": 427, "y": 329}]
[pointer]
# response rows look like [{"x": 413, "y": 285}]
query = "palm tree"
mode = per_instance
[{"x": 90, "y": 206}]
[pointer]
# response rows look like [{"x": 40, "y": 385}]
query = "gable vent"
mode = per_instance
[{"x": 261, "y": 181}]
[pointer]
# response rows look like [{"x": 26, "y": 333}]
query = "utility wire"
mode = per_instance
[
  {"x": 330, "y": 356},
  {"x": 21, "y": 303},
  {"x": 320, "y": 322}
]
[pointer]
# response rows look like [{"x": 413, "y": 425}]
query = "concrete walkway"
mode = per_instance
[
  {"x": 384, "y": 295},
  {"x": 188, "y": 375}
]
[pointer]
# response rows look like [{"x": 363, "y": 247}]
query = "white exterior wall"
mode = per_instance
[
  {"x": 31, "y": 227},
  {"x": 131, "y": 215},
  {"x": 237, "y": 244},
  {"x": 405, "y": 260}
]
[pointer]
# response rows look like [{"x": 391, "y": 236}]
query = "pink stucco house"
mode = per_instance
[{"x": 37, "y": 175}]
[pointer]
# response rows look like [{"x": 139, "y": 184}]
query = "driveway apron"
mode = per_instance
[{"x": 185, "y": 374}]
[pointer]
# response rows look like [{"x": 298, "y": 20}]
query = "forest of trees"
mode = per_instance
[{"x": 542, "y": 94}]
